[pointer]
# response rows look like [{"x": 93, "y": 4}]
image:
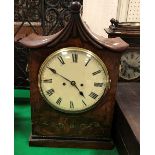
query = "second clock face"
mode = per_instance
[
  {"x": 73, "y": 79},
  {"x": 130, "y": 66}
]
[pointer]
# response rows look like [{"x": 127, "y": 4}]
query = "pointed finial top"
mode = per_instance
[{"x": 75, "y": 7}]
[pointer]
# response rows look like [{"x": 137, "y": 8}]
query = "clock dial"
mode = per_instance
[
  {"x": 130, "y": 66},
  {"x": 73, "y": 79}
]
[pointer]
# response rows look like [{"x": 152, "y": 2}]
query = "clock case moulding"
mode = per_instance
[{"x": 90, "y": 129}]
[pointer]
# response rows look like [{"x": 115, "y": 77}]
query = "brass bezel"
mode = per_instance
[{"x": 70, "y": 49}]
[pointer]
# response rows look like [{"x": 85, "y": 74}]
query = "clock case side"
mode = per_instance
[{"x": 56, "y": 129}]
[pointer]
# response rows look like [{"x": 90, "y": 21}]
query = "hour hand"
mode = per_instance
[
  {"x": 81, "y": 93},
  {"x": 73, "y": 83}
]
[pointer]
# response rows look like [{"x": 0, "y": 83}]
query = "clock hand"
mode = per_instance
[
  {"x": 73, "y": 83},
  {"x": 54, "y": 71},
  {"x": 133, "y": 67}
]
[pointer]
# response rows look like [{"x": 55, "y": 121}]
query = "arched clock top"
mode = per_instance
[{"x": 76, "y": 28}]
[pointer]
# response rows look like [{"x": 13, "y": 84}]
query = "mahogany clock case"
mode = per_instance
[
  {"x": 90, "y": 129},
  {"x": 48, "y": 122}
]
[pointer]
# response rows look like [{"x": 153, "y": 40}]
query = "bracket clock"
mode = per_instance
[
  {"x": 73, "y": 78},
  {"x": 130, "y": 60}
]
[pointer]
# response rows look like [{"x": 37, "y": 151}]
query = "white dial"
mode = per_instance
[
  {"x": 130, "y": 66},
  {"x": 73, "y": 79}
]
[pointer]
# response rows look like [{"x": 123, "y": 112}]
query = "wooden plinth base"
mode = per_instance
[{"x": 70, "y": 143}]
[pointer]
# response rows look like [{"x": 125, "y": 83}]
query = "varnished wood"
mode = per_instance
[
  {"x": 130, "y": 33},
  {"x": 123, "y": 29},
  {"x": 126, "y": 130},
  {"x": 75, "y": 28},
  {"x": 25, "y": 30},
  {"x": 131, "y": 37},
  {"x": 69, "y": 130},
  {"x": 128, "y": 99},
  {"x": 70, "y": 143},
  {"x": 35, "y": 41},
  {"x": 101, "y": 114},
  {"x": 116, "y": 44}
]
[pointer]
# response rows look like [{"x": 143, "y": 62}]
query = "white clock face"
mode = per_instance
[
  {"x": 130, "y": 66},
  {"x": 73, "y": 79}
]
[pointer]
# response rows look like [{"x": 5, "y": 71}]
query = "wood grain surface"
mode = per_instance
[{"x": 126, "y": 123}]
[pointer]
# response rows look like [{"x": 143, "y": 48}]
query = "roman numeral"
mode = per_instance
[
  {"x": 71, "y": 105},
  {"x": 93, "y": 95},
  {"x": 87, "y": 62},
  {"x": 50, "y": 92},
  {"x": 61, "y": 60},
  {"x": 47, "y": 81},
  {"x": 59, "y": 100},
  {"x": 75, "y": 57},
  {"x": 84, "y": 103},
  {"x": 97, "y": 72},
  {"x": 98, "y": 84}
]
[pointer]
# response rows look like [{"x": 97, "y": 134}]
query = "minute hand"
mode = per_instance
[{"x": 54, "y": 71}]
